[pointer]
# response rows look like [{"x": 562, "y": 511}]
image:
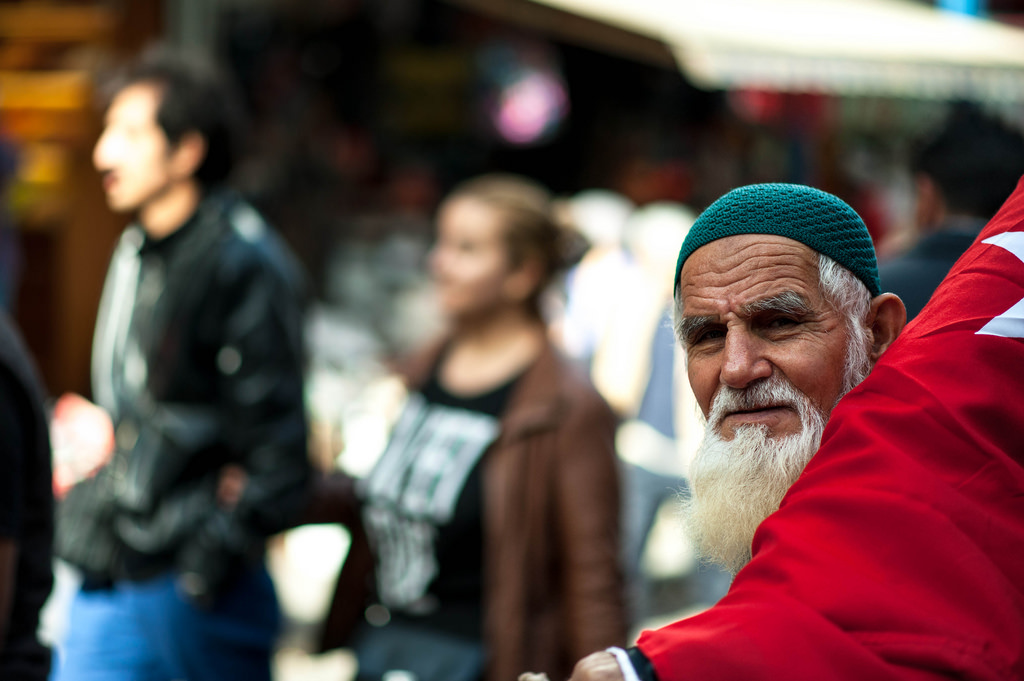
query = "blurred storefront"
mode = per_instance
[
  {"x": 829, "y": 92},
  {"x": 364, "y": 113},
  {"x": 897, "y": 48}
]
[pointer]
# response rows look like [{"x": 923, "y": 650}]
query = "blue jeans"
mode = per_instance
[{"x": 148, "y": 631}]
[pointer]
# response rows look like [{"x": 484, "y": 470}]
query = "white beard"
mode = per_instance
[{"x": 735, "y": 485}]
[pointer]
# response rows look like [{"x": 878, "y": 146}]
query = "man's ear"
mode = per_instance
[
  {"x": 886, "y": 318},
  {"x": 188, "y": 154}
]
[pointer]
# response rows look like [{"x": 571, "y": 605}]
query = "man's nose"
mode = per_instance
[
  {"x": 100, "y": 152},
  {"x": 743, "y": 361},
  {"x": 107, "y": 147}
]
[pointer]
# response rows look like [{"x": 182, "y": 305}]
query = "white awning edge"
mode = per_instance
[
  {"x": 856, "y": 47},
  {"x": 722, "y": 69}
]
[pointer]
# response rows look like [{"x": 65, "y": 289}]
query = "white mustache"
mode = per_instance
[{"x": 774, "y": 391}]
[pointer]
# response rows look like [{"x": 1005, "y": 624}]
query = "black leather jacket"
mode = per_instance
[{"x": 198, "y": 356}]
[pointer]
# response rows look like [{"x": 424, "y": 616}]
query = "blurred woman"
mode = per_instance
[{"x": 490, "y": 524}]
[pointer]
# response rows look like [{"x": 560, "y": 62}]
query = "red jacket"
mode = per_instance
[{"x": 899, "y": 553}]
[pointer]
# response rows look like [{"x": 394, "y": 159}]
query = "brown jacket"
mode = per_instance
[{"x": 553, "y": 588}]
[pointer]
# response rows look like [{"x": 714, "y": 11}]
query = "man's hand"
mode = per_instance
[
  {"x": 597, "y": 667},
  {"x": 594, "y": 667},
  {"x": 82, "y": 437}
]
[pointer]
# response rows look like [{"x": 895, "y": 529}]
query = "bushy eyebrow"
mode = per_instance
[
  {"x": 687, "y": 327},
  {"x": 786, "y": 302}
]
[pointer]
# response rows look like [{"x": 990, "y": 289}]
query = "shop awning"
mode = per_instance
[{"x": 856, "y": 47}]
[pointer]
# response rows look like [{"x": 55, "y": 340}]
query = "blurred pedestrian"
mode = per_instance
[
  {"x": 197, "y": 359},
  {"x": 594, "y": 285},
  {"x": 26, "y": 512},
  {"x": 492, "y": 517},
  {"x": 962, "y": 175},
  {"x": 641, "y": 371}
]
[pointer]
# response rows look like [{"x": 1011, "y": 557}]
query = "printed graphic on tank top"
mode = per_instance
[{"x": 423, "y": 507}]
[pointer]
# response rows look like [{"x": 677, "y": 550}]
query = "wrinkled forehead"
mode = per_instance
[{"x": 747, "y": 266}]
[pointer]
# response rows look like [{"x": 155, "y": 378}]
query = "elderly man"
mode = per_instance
[
  {"x": 779, "y": 311},
  {"x": 898, "y": 554}
]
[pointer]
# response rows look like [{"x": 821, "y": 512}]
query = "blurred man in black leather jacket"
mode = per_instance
[{"x": 197, "y": 358}]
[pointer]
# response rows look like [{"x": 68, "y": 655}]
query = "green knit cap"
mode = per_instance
[{"x": 815, "y": 218}]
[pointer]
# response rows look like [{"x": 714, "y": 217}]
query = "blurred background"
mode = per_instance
[{"x": 363, "y": 113}]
